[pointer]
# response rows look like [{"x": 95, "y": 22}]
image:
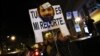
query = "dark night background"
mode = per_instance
[{"x": 15, "y": 19}]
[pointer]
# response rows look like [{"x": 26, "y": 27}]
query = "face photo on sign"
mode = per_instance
[{"x": 46, "y": 12}]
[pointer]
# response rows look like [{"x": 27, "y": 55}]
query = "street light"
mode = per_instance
[
  {"x": 13, "y": 38},
  {"x": 9, "y": 49},
  {"x": 77, "y": 19}
]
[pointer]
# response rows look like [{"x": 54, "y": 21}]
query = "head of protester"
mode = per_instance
[{"x": 49, "y": 37}]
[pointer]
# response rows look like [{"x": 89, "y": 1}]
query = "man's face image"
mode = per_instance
[{"x": 46, "y": 14}]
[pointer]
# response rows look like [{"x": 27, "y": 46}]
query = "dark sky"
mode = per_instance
[{"x": 15, "y": 17}]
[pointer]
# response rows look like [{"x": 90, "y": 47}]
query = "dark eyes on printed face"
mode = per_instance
[
  {"x": 43, "y": 10},
  {"x": 48, "y": 9}
]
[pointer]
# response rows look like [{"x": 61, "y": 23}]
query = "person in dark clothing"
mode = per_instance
[
  {"x": 64, "y": 47},
  {"x": 91, "y": 27},
  {"x": 48, "y": 44},
  {"x": 62, "y": 44}
]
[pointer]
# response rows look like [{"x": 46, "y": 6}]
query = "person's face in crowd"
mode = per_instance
[
  {"x": 46, "y": 14},
  {"x": 49, "y": 37}
]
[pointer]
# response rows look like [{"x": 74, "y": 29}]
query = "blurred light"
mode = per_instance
[
  {"x": 75, "y": 14},
  {"x": 36, "y": 53},
  {"x": 90, "y": 34},
  {"x": 41, "y": 54},
  {"x": 13, "y": 38},
  {"x": 95, "y": 15},
  {"x": 0, "y": 52},
  {"x": 83, "y": 38},
  {"x": 13, "y": 52},
  {"x": 9, "y": 49},
  {"x": 21, "y": 43},
  {"x": 77, "y": 28},
  {"x": 86, "y": 29},
  {"x": 8, "y": 36},
  {"x": 77, "y": 19},
  {"x": 68, "y": 15},
  {"x": 36, "y": 46}
]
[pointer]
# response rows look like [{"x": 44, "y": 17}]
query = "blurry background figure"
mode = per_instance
[
  {"x": 91, "y": 26},
  {"x": 49, "y": 37},
  {"x": 60, "y": 37},
  {"x": 49, "y": 43},
  {"x": 64, "y": 47}
]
